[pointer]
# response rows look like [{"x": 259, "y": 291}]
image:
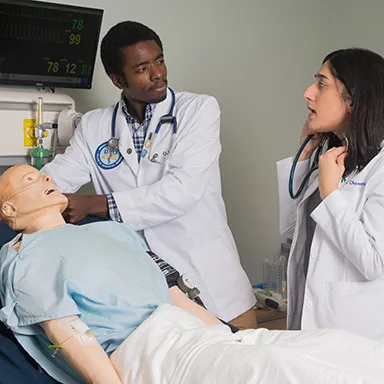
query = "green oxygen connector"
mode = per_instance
[{"x": 39, "y": 157}]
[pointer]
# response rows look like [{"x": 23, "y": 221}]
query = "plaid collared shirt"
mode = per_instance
[
  {"x": 138, "y": 132},
  {"x": 114, "y": 212}
]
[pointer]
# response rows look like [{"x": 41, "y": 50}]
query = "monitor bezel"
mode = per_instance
[{"x": 56, "y": 84}]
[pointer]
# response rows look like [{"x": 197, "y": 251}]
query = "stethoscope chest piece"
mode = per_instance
[{"x": 113, "y": 144}]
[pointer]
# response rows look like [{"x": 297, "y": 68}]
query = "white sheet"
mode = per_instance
[{"x": 174, "y": 347}]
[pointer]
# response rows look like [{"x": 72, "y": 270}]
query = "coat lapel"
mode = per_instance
[
  {"x": 126, "y": 147},
  {"x": 160, "y": 110},
  {"x": 311, "y": 188}
]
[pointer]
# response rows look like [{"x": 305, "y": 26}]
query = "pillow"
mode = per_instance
[{"x": 6, "y": 234}]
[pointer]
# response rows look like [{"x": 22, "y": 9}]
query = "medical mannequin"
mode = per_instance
[{"x": 30, "y": 203}]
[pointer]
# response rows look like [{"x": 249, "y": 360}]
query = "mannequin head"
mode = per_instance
[{"x": 30, "y": 201}]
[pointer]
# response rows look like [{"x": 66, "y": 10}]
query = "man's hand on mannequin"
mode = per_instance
[{"x": 80, "y": 206}]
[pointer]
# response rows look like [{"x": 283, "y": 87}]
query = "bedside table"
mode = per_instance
[{"x": 270, "y": 319}]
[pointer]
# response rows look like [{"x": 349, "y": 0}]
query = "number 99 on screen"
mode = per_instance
[{"x": 74, "y": 39}]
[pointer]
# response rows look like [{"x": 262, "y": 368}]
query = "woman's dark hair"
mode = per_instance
[
  {"x": 362, "y": 73},
  {"x": 123, "y": 35}
]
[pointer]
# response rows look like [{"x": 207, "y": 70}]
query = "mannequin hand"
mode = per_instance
[
  {"x": 331, "y": 170},
  {"x": 313, "y": 143},
  {"x": 80, "y": 206}
]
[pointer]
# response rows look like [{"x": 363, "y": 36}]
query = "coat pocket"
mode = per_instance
[{"x": 357, "y": 307}]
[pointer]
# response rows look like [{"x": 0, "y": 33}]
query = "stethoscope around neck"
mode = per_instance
[
  {"x": 113, "y": 142},
  {"x": 313, "y": 166}
]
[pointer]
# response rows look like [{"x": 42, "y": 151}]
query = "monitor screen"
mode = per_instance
[{"x": 47, "y": 44}]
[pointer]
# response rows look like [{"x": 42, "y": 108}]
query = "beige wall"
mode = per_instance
[{"x": 358, "y": 24}]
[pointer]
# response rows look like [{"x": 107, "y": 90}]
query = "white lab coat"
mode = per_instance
[
  {"x": 177, "y": 205},
  {"x": 345, "y": 280}
]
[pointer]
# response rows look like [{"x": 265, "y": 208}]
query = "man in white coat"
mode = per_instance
[{"x": 163, "y": 180}]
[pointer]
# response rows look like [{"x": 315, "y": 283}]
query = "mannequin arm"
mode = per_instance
[
  {"x": 181, "y": 300},
  {"x": 86, "y": 357}
]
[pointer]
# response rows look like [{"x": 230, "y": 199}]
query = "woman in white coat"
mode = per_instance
[
  {"x": 173, "y": 200},
  {"x": 336, "y": 263}
]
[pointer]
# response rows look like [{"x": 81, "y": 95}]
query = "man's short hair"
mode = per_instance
[{"x": 123, "y": 35}]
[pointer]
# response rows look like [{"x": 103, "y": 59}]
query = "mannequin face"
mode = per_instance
[{"x": 26, "y": 194}]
